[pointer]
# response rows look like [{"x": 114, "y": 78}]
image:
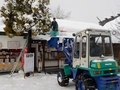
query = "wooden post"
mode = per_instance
[
  {"x": 29, "y": 46},
  {"x": 29, "y": 40},
  {"x": 25, "y": 74}
]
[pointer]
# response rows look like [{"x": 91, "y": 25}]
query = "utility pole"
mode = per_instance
[{"x": 29, "y": 40}]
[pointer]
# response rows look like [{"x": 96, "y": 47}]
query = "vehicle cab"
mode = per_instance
[{"x": 93, "y": 50}]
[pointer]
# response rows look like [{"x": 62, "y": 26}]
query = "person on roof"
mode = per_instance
[{"x": 54, "y": 27}]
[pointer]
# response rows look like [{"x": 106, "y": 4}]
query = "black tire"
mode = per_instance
[
  {"x": 62, "y": 79},
  {"x": 85, "y": 82}
]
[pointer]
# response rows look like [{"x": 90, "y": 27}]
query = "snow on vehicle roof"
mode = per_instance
[{"x": 109, "y": 60}]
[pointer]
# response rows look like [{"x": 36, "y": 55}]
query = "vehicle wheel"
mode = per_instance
[
  {"x": 62, "y": 79},
  {"x": 85, "y": 82}
]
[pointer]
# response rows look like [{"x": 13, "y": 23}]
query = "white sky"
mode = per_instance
[{"x": 87, "y": 10}]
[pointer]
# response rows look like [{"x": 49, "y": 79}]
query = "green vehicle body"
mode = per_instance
[{"x": 102, "y": 68}]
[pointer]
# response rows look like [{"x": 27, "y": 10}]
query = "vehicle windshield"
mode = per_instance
[{"x": 100, "y": 46}]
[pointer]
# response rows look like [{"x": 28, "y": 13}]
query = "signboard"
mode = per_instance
[
  {"x": 13, "y": 44},
  {"x": 29, "y": 62}
]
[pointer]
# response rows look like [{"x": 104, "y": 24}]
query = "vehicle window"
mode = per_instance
[
  {"x": 84, "y": 40},
  {"x": 77, "y": 47},
  {"x": 100, "y": 45}
]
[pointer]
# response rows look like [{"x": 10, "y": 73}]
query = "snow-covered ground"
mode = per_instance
[{"x": 40, "y": 81}]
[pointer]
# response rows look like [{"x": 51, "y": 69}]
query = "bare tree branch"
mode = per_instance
[{"x": 60, "y": 14}]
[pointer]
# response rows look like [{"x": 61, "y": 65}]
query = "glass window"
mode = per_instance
[
  {"x": 52, "y": 55},
  {"x": 100, "y": 45},
  {"x": 77, "y": 47},
  {"x": 84, "y": 47},
  {"x": 107, "y": 48},
  {"x": 95, "y": 42}
]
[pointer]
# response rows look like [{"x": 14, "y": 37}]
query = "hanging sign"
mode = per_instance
[{"x": 13, "y": 44}]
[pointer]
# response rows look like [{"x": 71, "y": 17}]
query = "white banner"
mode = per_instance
[
  {"x": 29, "y": 62},
  {"x": 13, "y": 44}
]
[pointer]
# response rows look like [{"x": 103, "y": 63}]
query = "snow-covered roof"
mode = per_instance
[
  {"x": 75, "y": 26},
  {"x": 68, "y": 27},
  {"x": 113, "y": 26}
]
